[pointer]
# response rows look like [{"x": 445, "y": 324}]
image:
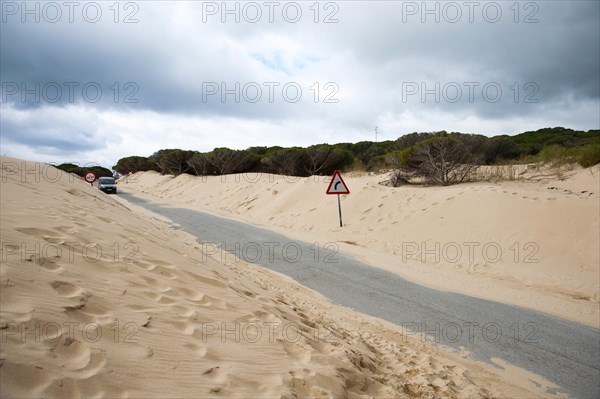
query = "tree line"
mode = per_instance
[
  {"x": 320, "y": 159},
  {"x": 100, "y": 171},
  {"x": 435, "y": 157}
]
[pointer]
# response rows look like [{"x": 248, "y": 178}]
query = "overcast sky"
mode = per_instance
[{"x": 91, "y": 82}]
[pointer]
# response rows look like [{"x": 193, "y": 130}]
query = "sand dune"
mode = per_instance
[
  {"x": 102, "y": 300},
  {"x": 533, "y": 242}
]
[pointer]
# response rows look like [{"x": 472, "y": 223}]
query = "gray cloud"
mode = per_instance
[{"x": 166, "y": 62}]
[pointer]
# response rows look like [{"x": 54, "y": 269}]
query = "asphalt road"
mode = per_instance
[{"x": 563, "y": 352}]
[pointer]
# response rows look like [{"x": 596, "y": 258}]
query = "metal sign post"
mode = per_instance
[
  {"x": 338, "y": 186},
  {"x": 340, "y": 209}
]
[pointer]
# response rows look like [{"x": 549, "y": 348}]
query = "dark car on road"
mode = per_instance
[{"x": 107, "y": 184}]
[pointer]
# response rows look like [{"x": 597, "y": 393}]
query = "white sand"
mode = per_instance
[
  {"x": 99, "y": 299},
  {"x": 533, "y": 243}
]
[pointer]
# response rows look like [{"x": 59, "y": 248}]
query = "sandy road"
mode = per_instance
[{"x": 564, "y": 352}]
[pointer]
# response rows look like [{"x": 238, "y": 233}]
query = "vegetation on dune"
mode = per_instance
[
  {"x": 554, "y": 154},
  {"x": 444, "y": 160},
  {"x": 433, "y": 157},
  {"x": 134, "y": 164},
  {"x": 81, "y": 170},
  {"x": 588, "y": 155},
  {"x": 531, "y": 143}
]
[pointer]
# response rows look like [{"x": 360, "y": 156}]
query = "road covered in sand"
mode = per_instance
[
  {"x": 564, "y": 352},
  {"x": 101, "y": 297}
]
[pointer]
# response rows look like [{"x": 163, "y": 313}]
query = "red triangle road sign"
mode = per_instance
[{"x": 337, "y": 185}]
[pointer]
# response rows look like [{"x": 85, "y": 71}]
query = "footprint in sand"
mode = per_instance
[
  {"x": 184, "y": 311},
  {"x": 216, "y": 375},
  {"x": 93, "y": 365},
  {"x": 190, "y": 294},
  {"x": 297, "y": 352},
  {"x": 198, "y": 350},
  {"x": 156, "y": 284},
  {"x": 166, "y": 300},
  {"x": 152, "y": 295},
  {"x": 93, "y": 387},
  {"x": 76, "y": 359},
  {"x": 91, "y": 312},
  {"x": 183, "y": 326},
  {"x": 207, "y": 280},
  {"x": 145, "y": 265},
  {"x": 71, "y": 354},
  {"x": 208, "y": 300},
  {"x": 68, "y": 290},
  {"x": 50, "y": 263},
  {"x": 59, "y": 240}
]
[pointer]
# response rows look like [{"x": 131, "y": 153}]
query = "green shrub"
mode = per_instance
[
  {"x": 556, "y": 155},
  {"x": 588, "y": 155}
]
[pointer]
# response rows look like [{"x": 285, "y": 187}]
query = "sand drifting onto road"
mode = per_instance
[
  {"x": 532, "y": 242},
  {"x": 102, "y": 299}
]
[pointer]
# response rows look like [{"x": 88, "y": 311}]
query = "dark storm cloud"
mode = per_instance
[
  {"x": 558, "y": 54},
  {"x": 146, "y": 66},
  {"x": 136, "y": 67},
  {"x": 376, "y": 55},
  {"x": 76, "y": 56}
]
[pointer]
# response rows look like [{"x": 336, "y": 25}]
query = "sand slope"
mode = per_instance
[
  {"x": 100, "y": 300},
  {"x": 533, "y": 242}
]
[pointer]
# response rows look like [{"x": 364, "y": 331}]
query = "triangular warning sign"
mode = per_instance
[{"x": 337, "y": 185}]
